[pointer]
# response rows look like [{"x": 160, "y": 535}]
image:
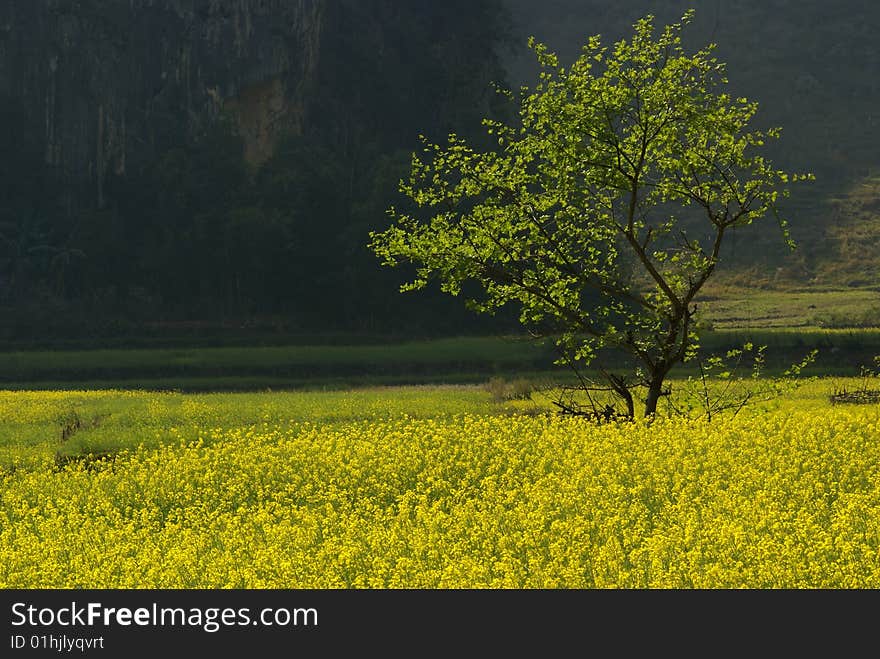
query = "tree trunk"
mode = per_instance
[
  {"x": 655, "y": 390},
  {"x": 630, "y": 406},
  {"x": 620, "y": 387}
]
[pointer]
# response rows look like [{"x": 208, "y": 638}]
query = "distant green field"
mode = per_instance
[
  {"x": 452, "y": 360},
  {"x": 741, "y": 308},
  {"x": 460, "y": 359}
]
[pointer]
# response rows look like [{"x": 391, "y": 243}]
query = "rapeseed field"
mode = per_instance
[{"x": 430, "y": 487}]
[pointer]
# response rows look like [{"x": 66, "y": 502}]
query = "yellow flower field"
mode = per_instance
[{"x": 473, "y": 497}]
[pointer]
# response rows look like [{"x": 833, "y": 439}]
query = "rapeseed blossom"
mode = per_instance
[{"x": 464, "y": 499}]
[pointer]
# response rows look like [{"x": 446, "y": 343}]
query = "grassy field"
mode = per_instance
[
  {"x": 431, "y": 487},
  {"x": 449, "y": 360},
  {"x": 254, "y": 367},
  {"x": 753, "y": 308}
]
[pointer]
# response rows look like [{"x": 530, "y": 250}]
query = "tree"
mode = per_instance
[{"x": 603, "y": 211}]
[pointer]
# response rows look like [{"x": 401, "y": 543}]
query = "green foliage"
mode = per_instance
[
  {"x": 602, "y": 212},
  {"x": 727, "y": 383},
  {"x": 813, "y": 70}
]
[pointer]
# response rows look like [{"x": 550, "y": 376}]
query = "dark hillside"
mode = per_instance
[
  {"x": 814, "y": 68},
  {"x": 220, "y": 163}
]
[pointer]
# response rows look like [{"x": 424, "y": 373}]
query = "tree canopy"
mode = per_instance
[{"x": 603, "y": 209}]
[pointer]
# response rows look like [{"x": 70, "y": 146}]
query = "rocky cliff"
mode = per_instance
[{"x": 97, "y": 84}]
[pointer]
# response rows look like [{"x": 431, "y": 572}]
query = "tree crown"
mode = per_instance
[{"x": 603, "y": 209}]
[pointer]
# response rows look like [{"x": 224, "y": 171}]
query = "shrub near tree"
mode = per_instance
[{"x": 602, "y": 211}]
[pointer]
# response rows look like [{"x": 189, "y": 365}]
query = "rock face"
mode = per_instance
[{"x": 102, "y": 84}]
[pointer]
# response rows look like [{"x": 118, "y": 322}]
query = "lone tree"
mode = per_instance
[{"x": 603, "y": 210}]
